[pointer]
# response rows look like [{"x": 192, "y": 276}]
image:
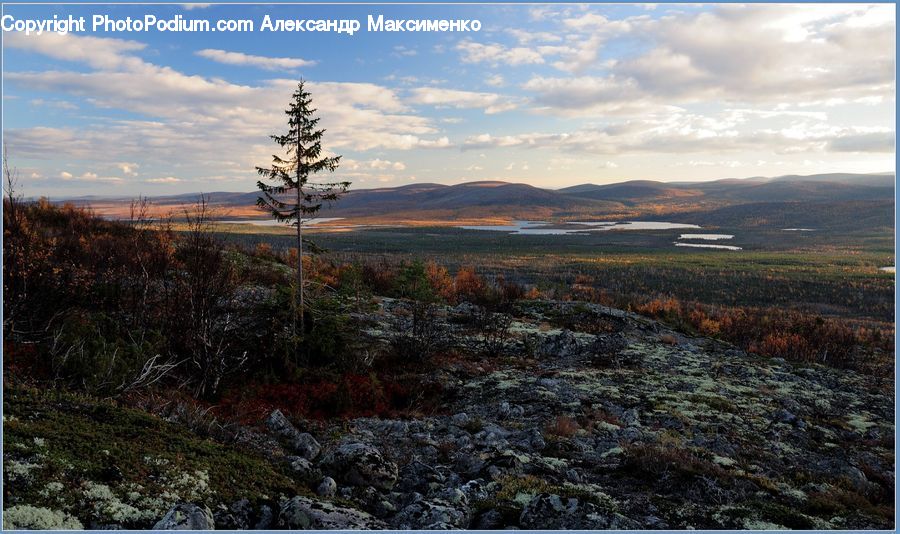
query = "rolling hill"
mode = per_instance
[{"x": 848, "y": 197}]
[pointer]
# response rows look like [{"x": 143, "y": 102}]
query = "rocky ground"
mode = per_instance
[{"x": 584, "y": 418}]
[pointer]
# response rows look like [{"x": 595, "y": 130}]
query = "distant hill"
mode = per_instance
[
  {"x": 631, "y": 191},
  {"x": 846, "y": 215},
  {"x": 843, "y": 196},
  {"x": 817, "y": 187}
]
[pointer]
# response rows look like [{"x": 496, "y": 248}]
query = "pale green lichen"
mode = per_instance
[
  {"x": 724, "y": 461},
  {"x": 859, "y": 422},
  {"x": 16, "y": 470},
  {"x": 25, "y": 517}
]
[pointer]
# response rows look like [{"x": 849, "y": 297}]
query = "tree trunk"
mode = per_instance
[
  {"x": 300, "y": 224},
  {"x": 300, "y": 268}
]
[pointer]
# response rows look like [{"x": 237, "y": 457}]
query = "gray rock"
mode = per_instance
[
  {"x": 360, "y": 464},
  {"x": 302, "y": 467},
  {"x": 301, "y": 443},
  {"x": 234, "y": 517},
  {"x": 305, "y": 513},
  {"x": 630, "y": 417},
  {"x": 186, "y": 516},
  {"x": 460, "y": 419},
  {"x": 552, "y": 512},
  {"x": 434, "y": 514},
  {"x": 490, "y": 520},
  {"x": 530, "y": 440},
  {"x": 327, "y": 488},
  {"x": 266, "y": 518}
]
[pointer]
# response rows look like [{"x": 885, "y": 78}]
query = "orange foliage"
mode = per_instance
[
  {"x": 440, "y": 281},
  {"x": 469, "y": 286}
]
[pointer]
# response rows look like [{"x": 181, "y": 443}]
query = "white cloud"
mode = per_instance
[
  {"x": 435, "y": 96},
  {"x": 262, "y": 62},
  {"x": 496, "y": 54},
  {"x": 681, "y": 133},
  {"x": 59, "y": 104},
  {"x": 89, "y": 176},
  {"x": 381, "y": 164},
  {"x": 97, "y": 52},
  {"x": 205, "y": 127},
  {"x": 128, "y": 169},
  {"x": 495, "y": 81},
  {"x": 401, "y": 50},
  {"x": 163, "y": 180}
]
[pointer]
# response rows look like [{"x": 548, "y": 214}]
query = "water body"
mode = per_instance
[
  {"x": 704, "y": 245},
  {"x": 575, "y": 227},
  {"x": 273, "y": 222},
  {"x": 706, "y": 237}
]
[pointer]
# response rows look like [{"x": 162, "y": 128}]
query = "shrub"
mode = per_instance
[{"x": 562, "y": 426}]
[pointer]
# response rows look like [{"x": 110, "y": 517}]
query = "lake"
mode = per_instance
[
  {"x": 273, "y": 222},
  {"x": 575, "y": 227},
  {"x": 706, "y": 237},
  {"x": 705, "y": 245}
]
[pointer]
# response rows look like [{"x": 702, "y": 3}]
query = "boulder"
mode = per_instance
[
  {"x": 327, "y": 488},
  {"x": 360, "y": 464},
  {"x": 302, "y": 443},
  {"x": 448, "y": 512},
  {"x": 186, "y": 516},
  {"x": 305, "y": 513},
  {"x": 547, "y": 511},
  {"x": 234, "y": 517}
]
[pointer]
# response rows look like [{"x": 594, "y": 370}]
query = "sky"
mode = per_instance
[{"x": 549, "y": 95}]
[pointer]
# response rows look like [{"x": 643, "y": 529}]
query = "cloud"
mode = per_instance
[
  {"x": 524, "y": 36},
  {"x": 59, "y": 104},
  {"x": 404, "y": 51},
  {"x": 381, "y": 164},
  {"x": 164, "y": 180},
  {"x": 863, "y": 142},
  {"x": 128, "y": 169},
  {"x": 89, "y": 176},
  {"x": 681, "y": 133},
  {"x": 262, "y": 62},
  {"x": 495, "y": 81},
  {"x": 97, "y": 52},
  {"x": 197, "y": 126},
  {"x": 496, "y": 54},
  {"x": 748, "y": 54},
  {"x": 434, "y": 96}
]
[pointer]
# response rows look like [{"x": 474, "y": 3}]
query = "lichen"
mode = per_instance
[{"x": 26, "y": 517}]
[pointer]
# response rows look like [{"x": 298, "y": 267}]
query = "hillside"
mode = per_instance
[
  {"x": 611, "y": 422},
  {"x": 503, "y": 200},
  {"x": 152, "y": 380},
  {"x": 848, "y": 215}
]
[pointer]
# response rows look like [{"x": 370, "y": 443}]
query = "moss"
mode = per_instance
[{"x": 110, "y": 463}]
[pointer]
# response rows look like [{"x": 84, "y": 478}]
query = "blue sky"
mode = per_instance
[{"x": 544, "y": 94}]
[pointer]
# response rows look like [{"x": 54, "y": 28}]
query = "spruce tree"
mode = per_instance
[{"x": 294, "y": 198}]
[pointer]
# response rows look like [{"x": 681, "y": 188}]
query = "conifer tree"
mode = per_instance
[{"x": 294, "y": 198}]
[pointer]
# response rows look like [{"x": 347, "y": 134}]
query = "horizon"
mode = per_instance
[
  {"x": 505, "y": 182},
  {"x": 546, "y": 95}
]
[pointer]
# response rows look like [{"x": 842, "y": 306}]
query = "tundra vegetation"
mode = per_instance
[{"x": 155, "y": 375}]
